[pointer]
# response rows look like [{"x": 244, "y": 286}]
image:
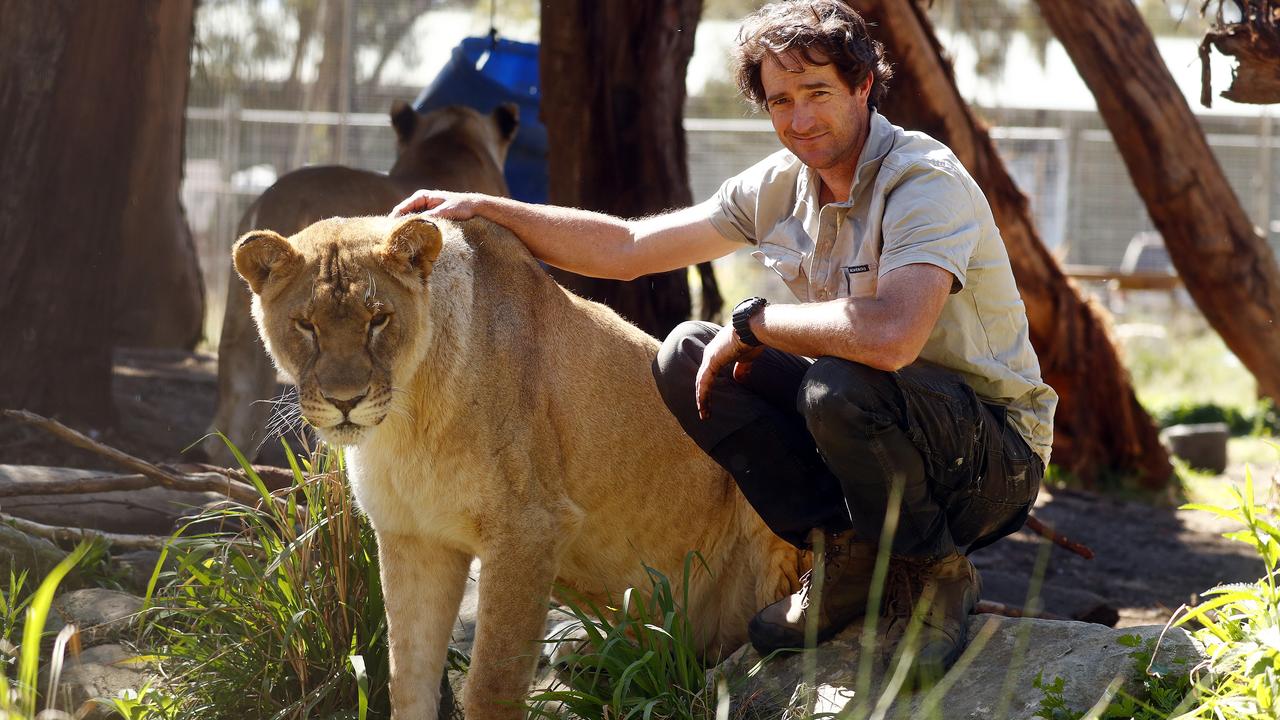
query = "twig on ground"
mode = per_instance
[
  {"x": 215, "y": 482},
  {"x": 1061, "y": 541},
  {"x": 988, "y": 607},
  {"x": 72, "y": 536},
  {"x": 275, "y": 478}
]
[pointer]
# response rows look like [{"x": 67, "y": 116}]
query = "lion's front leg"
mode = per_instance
[
  {"x": 422, "y": 586},
  {"x": 515, "y": 584}
]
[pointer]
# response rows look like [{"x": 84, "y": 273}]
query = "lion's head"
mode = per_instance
[{"x": 341, "y": 307}]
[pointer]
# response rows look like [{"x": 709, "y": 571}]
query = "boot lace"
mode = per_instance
[
  {"x": 833, "y": 556},
  {"x": 904, "y": 587}
]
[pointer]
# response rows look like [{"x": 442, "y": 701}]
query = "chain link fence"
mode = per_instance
[{"x": 244, "y": 130}]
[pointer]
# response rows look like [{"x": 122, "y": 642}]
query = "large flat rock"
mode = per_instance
[{"x": 993, "y": 681}]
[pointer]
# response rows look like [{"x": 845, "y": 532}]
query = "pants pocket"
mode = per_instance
[
  {"x": 998, "y": 501},
  {"x": 945, "y": 423}
]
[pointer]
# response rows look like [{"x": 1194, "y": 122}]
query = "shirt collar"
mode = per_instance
[{"x": 879, "y": 142}]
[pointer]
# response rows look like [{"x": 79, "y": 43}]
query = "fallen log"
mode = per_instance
[
  {"x": 213, "y": 482},
  {"x": 67, "y": 536},
  {"x": 91, "y": 499}
]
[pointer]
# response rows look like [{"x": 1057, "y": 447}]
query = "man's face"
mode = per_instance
[{"x": 814, "y": 112}]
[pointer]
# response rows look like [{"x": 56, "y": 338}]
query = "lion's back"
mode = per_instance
[{"x": 306, "y": 195}]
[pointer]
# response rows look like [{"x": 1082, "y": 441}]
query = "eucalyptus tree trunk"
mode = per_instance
[
  {"x": 1099, "y": 426},
  {"x": 1224, "y": 262},
  {"x": 159, "y": 289},
  {"x": 613, "y": 100},
  {"x": 73, "y": 93}
]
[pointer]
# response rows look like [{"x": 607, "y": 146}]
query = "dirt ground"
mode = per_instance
[{"x": 1150, "y": 558}]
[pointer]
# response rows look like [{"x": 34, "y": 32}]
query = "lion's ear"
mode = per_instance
[
  {"x": 261, "y": 253},
  {"x": 412, "y": 246},
  {"x": 507, "y": 117},
  {"x": 404, "y": 119}
]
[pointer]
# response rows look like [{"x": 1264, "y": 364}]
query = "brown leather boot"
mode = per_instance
[
  {"x": 950, "y": 587},
  {"x": 847, "y": 567}
]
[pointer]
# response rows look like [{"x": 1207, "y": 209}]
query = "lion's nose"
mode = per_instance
[{"x": 346, "y": 406}]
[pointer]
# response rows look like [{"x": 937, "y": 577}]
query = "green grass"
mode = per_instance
[
  {"x": 281, "y": 616},
  {"x": 636, "y": 660}
]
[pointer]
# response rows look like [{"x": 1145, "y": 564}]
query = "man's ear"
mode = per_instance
[
  {"x": 404, "y": 119},
  {"x": 261, "y": 254},
  {"x": 412, "y": 246},
  {"x": 507, "y": 117}
]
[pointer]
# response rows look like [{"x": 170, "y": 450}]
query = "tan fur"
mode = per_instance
[
  {"x": 454, "y": 148},
  {"x": 502, "y": 418}
]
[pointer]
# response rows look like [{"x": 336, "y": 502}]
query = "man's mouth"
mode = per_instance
[{"x": 808, "y": 138}]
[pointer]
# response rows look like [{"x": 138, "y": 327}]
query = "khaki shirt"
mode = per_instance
[{"x": 911, "y": 202}]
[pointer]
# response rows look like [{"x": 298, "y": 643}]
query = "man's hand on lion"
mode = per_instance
[
  {"x": 723, "y": 349},
  {"x": 439, "y": 203}
]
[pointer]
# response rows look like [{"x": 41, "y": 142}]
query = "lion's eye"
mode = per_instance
[
  {"x": 305, "y": 326},
  {"x": 379, "y": 320}
]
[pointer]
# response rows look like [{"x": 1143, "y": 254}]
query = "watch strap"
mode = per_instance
[{"x": 742, "y": 315}]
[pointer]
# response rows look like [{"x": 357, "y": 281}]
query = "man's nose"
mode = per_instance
[{"x": 802, "y": 118}]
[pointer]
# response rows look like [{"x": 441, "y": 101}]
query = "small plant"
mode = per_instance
[
  {"x": 19, "y": 695},
  {"x": 146, "y": 703},
  {"x": 638, "y": 660},
  {"x": 1167, "y": 690},
  {"x": 278, "y": 616},
  {"x": 1239, "y": 624}
]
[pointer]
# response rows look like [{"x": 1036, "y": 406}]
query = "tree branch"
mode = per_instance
[{"x": 214, "y": 482}]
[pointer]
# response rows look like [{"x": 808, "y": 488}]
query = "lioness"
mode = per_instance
[
  {"x": 454, "y": 147},
  {"x": 489, "y": 413}
]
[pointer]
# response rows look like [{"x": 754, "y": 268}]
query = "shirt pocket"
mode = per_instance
[
  {"x": 860, "y": 278},
  {"x": 782, "y": 260}
]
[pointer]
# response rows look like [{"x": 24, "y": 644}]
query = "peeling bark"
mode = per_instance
[{"x": 1254, "y": 42}]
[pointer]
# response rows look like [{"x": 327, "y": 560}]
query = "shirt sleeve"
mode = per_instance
[
  {"x": 931, "y": 216},
  {"x": 735, "y": 209}
]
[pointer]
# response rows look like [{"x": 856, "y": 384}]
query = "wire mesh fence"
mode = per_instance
[{"x": 246, "y": 128}]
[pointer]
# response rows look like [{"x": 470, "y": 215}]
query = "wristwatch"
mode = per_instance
[{"x": 742, "y": 315}]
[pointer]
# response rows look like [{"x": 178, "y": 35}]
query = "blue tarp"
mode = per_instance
[{"x": 483, "y": 73}]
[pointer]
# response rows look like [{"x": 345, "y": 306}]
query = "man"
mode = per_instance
[{"x": 924, "y": 409}]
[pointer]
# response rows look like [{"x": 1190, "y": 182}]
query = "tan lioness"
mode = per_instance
[
  {"x": 453, "y": 148},
  {"x": 489, "y": 413}
]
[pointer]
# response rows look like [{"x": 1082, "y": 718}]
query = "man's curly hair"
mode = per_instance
[{"x": 820, "y": 32}]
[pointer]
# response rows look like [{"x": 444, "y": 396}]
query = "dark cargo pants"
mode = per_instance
[{"x": 821, "y": 443}]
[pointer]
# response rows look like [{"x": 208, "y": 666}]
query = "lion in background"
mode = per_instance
[
  {"x": 487, "y": 412},
  {"x": 453, "y": 148}
]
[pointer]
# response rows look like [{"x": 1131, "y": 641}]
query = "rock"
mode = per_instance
[
  {"x": 1203, "y": 446},
  {"x": 99, "y": 672},
  {"x": 101, "y": 616},
  {"x": 137, "y": 567},
  {"x": 20, "y": 551},
  {"x": 997, "y": 684}
]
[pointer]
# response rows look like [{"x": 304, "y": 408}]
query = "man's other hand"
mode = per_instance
[
  {"x": 439, "y": 203},
  {"x": 726, "y": 347}
]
